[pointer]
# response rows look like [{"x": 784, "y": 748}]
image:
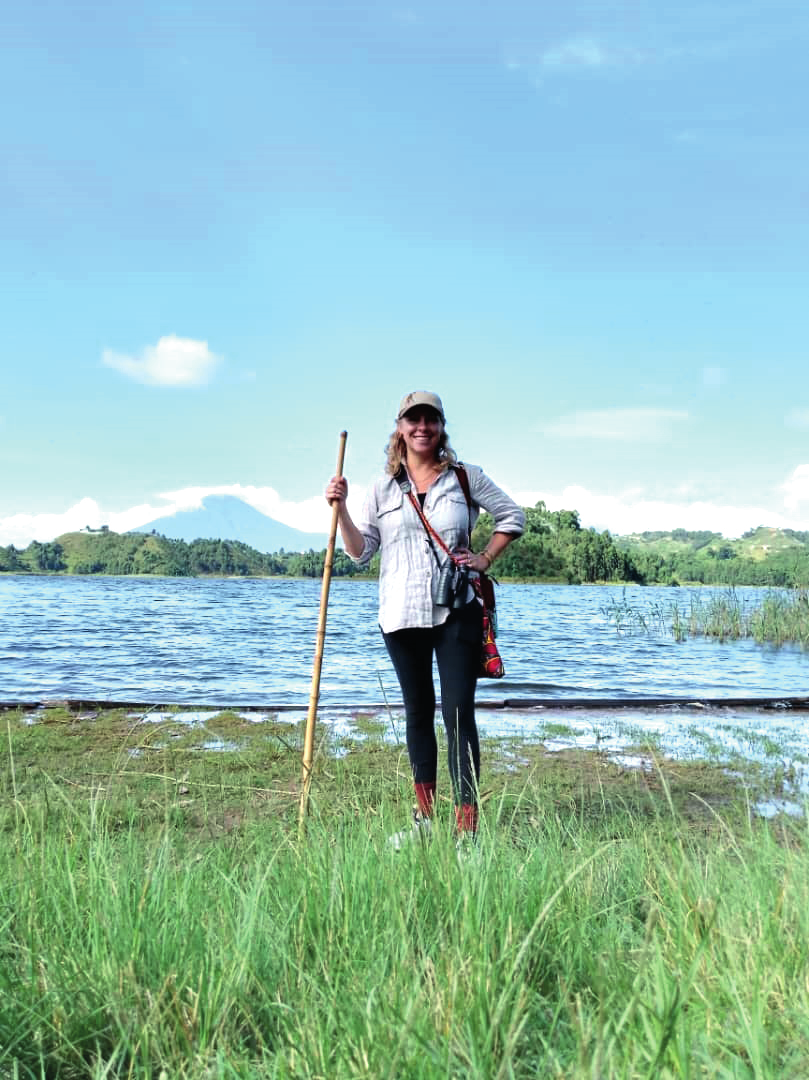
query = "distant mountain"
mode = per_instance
[{"x": 224, "y": 517}]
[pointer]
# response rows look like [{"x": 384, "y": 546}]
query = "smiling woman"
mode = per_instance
[{"x": 420, "y": 618}]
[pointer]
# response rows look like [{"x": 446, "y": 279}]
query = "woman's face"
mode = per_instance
[{"x": 421, "y": 430}]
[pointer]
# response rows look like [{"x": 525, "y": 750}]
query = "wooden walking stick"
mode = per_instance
[{"x": 314, "y": 693}]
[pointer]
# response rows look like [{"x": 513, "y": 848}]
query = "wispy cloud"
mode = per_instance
[
  {"x": 573, "y": 55},
  {"x": 797, "y": 418},
  {"x": 576, "y": 52},
  {"x": 585, "y": 52},
  {"x": 696, "y": 34},
  {"x": 626, "y": 425},
  {"x": 688, "y": 136},
  {"x": 406, "y": 17},
  {"x": 713, "y": 376},
  {"x": 173, "y": 361}
]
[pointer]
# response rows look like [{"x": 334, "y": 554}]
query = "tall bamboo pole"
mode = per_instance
[{"x": 314, "y": 693}]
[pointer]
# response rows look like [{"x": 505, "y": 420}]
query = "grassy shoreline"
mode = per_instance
[{"x": 160, "y": 916}]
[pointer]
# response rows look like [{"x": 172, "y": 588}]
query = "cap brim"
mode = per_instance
[{"x": 422, "y": 408}]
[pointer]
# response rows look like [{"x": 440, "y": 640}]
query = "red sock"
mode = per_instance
[
  {"x": 425, "y": 797},
  {"x": 466, "y": 817}
]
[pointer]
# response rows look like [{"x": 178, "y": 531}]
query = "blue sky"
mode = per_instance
[{"x": 232, "y": 230}]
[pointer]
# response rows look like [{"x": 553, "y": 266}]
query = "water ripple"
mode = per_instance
[{"x": 253, "y": 642}]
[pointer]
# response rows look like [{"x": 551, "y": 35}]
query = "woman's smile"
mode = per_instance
[{"x": 421, "y": 432}]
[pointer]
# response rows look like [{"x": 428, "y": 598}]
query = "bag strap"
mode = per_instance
[
  {"x": 463, "y": 479},
  {"x": 462, "y": 475},
  {"x": 483, "y": 583},
  {"x": 403, "y": 481}
]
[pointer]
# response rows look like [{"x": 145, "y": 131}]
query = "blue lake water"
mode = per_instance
[
  {"x": 201, "y": 644},
  {"x": 252, "y": 642}
]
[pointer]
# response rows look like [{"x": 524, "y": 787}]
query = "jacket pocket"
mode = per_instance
[
  {"x": 390, "y": 516},
  {"x": 450, "y": 518}
]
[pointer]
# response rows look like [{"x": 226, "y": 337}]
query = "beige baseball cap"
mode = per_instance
[{"x": 420, "y": 397}]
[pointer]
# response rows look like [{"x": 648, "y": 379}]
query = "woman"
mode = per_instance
[{"x": 416, "y": 621}]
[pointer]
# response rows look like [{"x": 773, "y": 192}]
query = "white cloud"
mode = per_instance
[
  {"x": 574, "y": 55},
  {"x": 796, "y": 488},
  {"x": 713, "y": 376},
  {"x": 798, "y": 418},
  {"x": 626, "y": 425},
  {"x": 308, "y": 515},
  {"x": 173, "y": 361},
  {"x": 407, "y": 17},
  {"x": 632, "y": 512},
  {"x": 687, "y": 136},
  {"x": 21, "y": 529},
  {"x": 578, "y": 52},
  {"x": 587, "y": 53}
]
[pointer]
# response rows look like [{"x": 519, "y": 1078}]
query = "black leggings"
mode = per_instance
[{"x": 456, "y": 644}]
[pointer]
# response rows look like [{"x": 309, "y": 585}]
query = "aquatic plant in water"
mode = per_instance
[{"x": 779, "y": 617}]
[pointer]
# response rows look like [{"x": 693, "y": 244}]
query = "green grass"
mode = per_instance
[
  {"x": 781, "y": 617},
  {"x": 161, "y": 916}
]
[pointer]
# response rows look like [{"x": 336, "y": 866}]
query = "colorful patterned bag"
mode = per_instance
[{"x": 491, "y": 665}]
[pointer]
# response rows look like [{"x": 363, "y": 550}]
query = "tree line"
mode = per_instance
[
  {"x": 138, "y": 553},
  {"x": 554, "y": 548}
]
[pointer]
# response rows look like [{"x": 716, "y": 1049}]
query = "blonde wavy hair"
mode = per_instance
[{"x": 396, "y": 451}]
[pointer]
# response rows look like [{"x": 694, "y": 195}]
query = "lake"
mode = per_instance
[{"x": 252, "y": 642}]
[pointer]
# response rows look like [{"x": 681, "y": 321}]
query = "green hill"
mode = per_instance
[
  {"x": 757, "y": 544},
  {"x": 764, "y": 542},
  {"x": 112, "y": 553},
  {"x": 554, "y": 548},
  {"x": 669, "y": 543},
  {"x": 763, "y": 556},
  {"x": 106, "y": 552}
]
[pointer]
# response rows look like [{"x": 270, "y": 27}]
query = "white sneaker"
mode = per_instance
[
  {"x": 418, "y": 830},
  {"x": 467, "y": 848}
]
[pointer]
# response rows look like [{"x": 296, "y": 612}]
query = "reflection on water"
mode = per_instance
[{"x": 239, "y": 642}]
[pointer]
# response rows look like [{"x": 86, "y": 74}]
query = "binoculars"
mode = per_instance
[{"x": 453, "y": 585}]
